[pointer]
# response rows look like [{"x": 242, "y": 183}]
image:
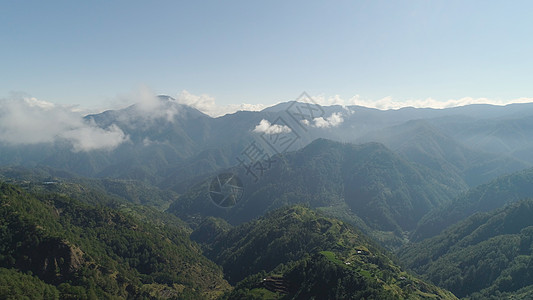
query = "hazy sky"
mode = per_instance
[{"x": 91, "y": 52}]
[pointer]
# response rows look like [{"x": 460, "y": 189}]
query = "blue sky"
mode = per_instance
[{"x": 91, "y": 52}]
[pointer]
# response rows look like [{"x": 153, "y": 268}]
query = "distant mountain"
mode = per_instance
[
  {"x": 487, "y": 256},
  {"x": 77, "y": 251},
  {"x": 423, "y": 143},
  {"x": 367, "y": 184},
  {"x": 160, "y": 135},
  {"x": 169, "y": 143},
  {"x": 295, "y": 253},
  {"x": 95, "y": 191},
  {"x": 511, "y": 136},
  {"x": 484, "y": 198}
]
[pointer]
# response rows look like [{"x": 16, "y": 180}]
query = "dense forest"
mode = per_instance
[
  {"x": 69, "y": 249},
  {"x": 366, "y": 184},
  {"x": 301, "y": 254},
  {"x": 487, "y": 256},
  {"x": 56, "y": 247}
]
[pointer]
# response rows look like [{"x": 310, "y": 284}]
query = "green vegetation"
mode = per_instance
[
  {"x": 93, "y": 191},
  {"x": 17, "y": 285},
  {"x": 366, "y": 185},
  {"x": 52, "y": 246},
  {"x": 96, "y": 252},
  {"x": 136, "y": 229},
  {"x": 65, "y": 236},
  {"x": 484, "y": 198},
  {"x": 486, "y": 255},
  {"x": 296, "y": 253}
]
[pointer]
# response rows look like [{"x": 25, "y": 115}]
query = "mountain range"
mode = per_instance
[
  {"x": 170, "y": 143},
  {"x": 330, "y": 202}
]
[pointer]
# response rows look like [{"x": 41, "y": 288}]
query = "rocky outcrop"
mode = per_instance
[{"x": 55, "y": 260}]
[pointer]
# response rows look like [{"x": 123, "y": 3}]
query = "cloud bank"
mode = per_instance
[
  {"x": 391, "y": 103},
  {"x": 207, "y": 104},
  {"x": 26, "y": 120},
  {"x": 265, "y": 127}
]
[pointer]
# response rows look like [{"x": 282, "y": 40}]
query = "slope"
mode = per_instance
[
  {"x": 510, "y": 135},
  {"x": 422, "y": 143},
  {"x": 95, "y": 252},
  {"x": 487, "y": 256},
  {"x": 368, "y": 184},
  {"x": 483, "y": 198},
  {"x": 296, "y": 253}
]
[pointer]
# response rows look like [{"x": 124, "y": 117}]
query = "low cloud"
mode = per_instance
[
  {"x": 334, "y": 100},
  {"x": 391, "y": 103},
  {"x": 27, "y": 120},
  {"x": 334, "y": 120},
  {"x": 149, "y": 107},
  {"x": 89, "y": 138},
  {"x": 208, "y": 106},
  {"x": 265, "y": 127}
]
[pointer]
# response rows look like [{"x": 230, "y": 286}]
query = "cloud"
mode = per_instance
[
  {"x": 265, "y": 127},
  {"x": 149, "y": 107},
  {"x": 334, "y": 120},
  {"x": 390, "y": 103},
  {"x": 208, "y": 106},
  {"x": 89, "y": 138},
  {"x": 332, "y": 100},
  {"x": 26, "y": 120}
]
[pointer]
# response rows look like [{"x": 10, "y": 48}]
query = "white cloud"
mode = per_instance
[
  {"x": 203, "y": 103},
  {"x": 33, "y": 102},
  {"x": 89, "y": 138},
  {"x": 334, "y": 120},
  {"x": 148, "y": 106},
  {"x": 328, "y": 101},
  {"x": 265, "y": 127},
  {"x": 31, "y": 121},
  {"x": 390, "y": 103},
  {"x": 208, "y": 106}
]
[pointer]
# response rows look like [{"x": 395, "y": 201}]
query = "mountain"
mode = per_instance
[
  {"x": 421, "y": 142},
  {"x": 484, "y": 198},
  {"x": 510, "y": 135},
  {"x": 368, "y": 184},
  {"x": 81, "y": 223},
  {"x": 106, "y": 191},
  {"x": 66, "y": 248},
  {"x": 168, "y": 143},
  {"x": 295, "y": 253},
  {"x": 487, "y": 256}
]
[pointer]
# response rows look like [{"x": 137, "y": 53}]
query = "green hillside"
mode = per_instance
[
  {"x": 296, "y": 253},
  {"x": 74, "y": 250},
  {"x": 487, "y": 256},
  {"x": 367, "y": 185},
  {"x": 484, "y": 198}
]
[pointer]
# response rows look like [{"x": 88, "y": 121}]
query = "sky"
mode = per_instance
[{"x": 229, "y": 55}]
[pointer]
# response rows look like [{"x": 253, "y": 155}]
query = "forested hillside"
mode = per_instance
[
  {"x": 367, "y": 185},
  {"x": 295, "y": 253},
  {"x": 487, "y": 256},
  {"x": 484, "y": 198},
  {"x": 68, "y": 249}
]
